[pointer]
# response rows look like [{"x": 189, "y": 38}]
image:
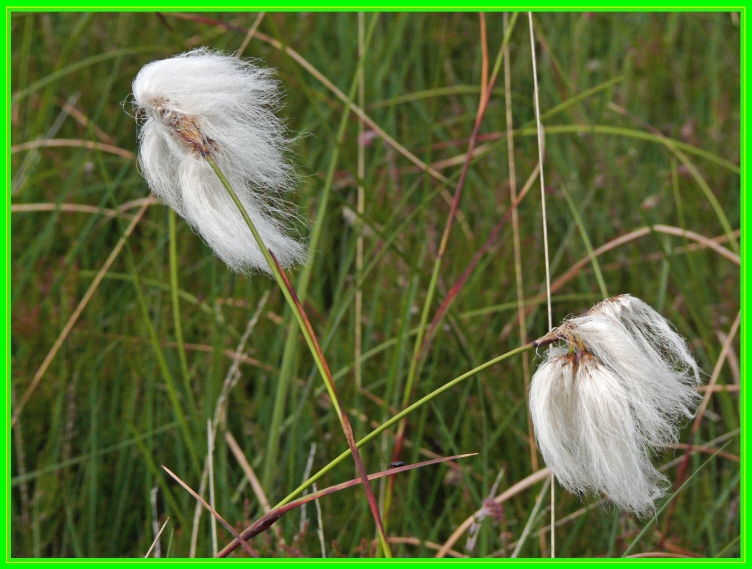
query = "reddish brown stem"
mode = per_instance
[
  {"x": 342, "y": 415},
  {"x": 213, "y": 512}
]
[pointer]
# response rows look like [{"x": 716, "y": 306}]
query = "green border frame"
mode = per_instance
[{"x": 345, "y": 6}]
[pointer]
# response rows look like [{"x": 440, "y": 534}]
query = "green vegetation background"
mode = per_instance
[{"x": 87, "y": 446}]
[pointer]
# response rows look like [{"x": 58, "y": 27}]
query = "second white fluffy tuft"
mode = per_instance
[
  {"x": 610, "y": 395},
  {"x": 206, "y": 103}
]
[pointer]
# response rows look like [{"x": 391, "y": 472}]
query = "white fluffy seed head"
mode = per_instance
[
  {"x": 614, "y": 392},
  {"x": 206, "y": 103}
]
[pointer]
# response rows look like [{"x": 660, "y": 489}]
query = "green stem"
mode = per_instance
[
  {"x": 291, "y": 341},
  {"x": 307, "y": 334},
  {"x": 401, "y": 415},
  {"x": 277, "y": 276}
]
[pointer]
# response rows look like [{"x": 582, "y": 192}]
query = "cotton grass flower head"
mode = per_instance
[
  {"x": 613, "y": 391},
  {"x": 207, "y": 104}
]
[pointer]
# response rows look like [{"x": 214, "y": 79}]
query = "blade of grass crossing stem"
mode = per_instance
[
  {"x": 315, "y": 349},
  {"x": 401, "y": 415},
  {"x": 346, "y": 427},
  {"x": 667, "y": 502},
  {"x": 291, "y": 339},
  {"x": 152, "y": 467},
  {"x": 156, "y": 539},
  {"x": 211, "y": 510},
  {"x": 269, "y": 518}
]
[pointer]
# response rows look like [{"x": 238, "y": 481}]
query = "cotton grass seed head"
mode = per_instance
[
  {"x": 204, "y": 103},
  {"x": 612, "y": 390}
]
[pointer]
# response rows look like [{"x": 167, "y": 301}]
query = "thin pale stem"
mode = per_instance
[
  {"x": 250, "y": 34},
  {"x": 518, "y": 251},
  {"x": 545, "y": 240}
]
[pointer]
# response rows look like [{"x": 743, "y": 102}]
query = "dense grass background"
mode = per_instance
[{"x": 88, "y": 444}]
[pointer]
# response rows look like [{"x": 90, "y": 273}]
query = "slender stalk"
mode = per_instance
[
  {"x": 539, "y": 128},
  {"x": 315, "y": 349},
  {"x": 264, "y": 251},
  {"x": 291, "y": 342},
  {"x": 518, "y": 252}
]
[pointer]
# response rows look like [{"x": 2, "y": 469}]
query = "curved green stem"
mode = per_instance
[
  {"x": 402, "y": 414},
  {"x": 313, "y": 346},
  {"x": 277, "y": 277},
  {"x": 291, "y": 342}
]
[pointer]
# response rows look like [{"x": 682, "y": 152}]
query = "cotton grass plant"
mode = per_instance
[
  {"x": 610, "y": 393},
  {"x": 206, "y": 104},
  {"x": 91, "y": 432},
  {"x": 600, "y": 404},
  {"x": 209, "y": 110}
]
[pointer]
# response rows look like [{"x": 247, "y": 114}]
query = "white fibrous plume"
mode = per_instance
[
  {"x": 612, "y": 391},
  {"x": 204, "y": 103}
]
